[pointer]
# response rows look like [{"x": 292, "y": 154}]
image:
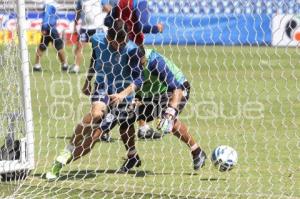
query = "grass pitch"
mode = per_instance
[{"x": 245, "y": 97}]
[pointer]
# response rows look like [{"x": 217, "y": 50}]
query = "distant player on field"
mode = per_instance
[
  {"x": 116, "y": 63},
  {"x": 135, "y": 14},
  {"x": 92, "y": 14},
  {"x": 163, "y": 95},
  {"x": 50, "y": 34}
]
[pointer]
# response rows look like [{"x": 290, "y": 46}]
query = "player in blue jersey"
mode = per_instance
[
  {"x": 116, "y": 64},
  {"x": 50, "y": 34},
  {"x": 136, "y": 14}
]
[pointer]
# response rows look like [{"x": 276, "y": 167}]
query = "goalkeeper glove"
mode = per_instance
[{"x": 166, "y": 123}]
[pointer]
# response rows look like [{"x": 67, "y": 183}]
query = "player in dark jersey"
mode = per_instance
[
  {"x": 116, "y": 64},
  {"x": 135, "y": 14}
]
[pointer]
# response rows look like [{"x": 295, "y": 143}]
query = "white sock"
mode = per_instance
[
  {"x": 70, "y": 148},
  {"x": 144, "y": 128},
  {"x": 37, "y": 66},
  {"x": 194, "y": 147},
  {"x": 131, "y": 153},
  {"x": 65, "y": 65}
]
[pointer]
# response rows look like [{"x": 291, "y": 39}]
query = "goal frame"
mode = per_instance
[{"x": 26, "y": 161}]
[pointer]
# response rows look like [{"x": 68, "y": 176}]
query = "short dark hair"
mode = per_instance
[{"x": 118, "y": 31}]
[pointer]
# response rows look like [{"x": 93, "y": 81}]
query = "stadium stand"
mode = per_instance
[{"x": 192, "y": 7}]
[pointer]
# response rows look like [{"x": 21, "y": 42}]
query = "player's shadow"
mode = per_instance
[
  {"x": 60, "y": 137},
  {"x": 88, "y": 174},
  {"x": 68, "y": 138}
]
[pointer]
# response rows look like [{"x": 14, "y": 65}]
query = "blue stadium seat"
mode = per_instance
[{"x": 224, "y": 6}]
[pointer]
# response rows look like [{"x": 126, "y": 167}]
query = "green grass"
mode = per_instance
[{"x": 229, "y": 87}]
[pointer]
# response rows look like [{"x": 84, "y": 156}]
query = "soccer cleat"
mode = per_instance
[
  {"x": 148, "y": 134},
  {"x": 64, "y": 67},
  {"x": 130, "y": 163},
  {"x": 74, "y": 69},
  {"x": 64, "y": 157},
  {"x": 55, "y": 170},
  {"x": 37, "y": 68},
  {"x": 199, "y": 158}
]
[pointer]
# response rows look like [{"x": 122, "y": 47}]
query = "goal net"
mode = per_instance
[{"x": 241, "y": 59}]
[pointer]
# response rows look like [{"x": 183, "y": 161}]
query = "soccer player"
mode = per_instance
[
  {"x": 118, "y": 74},
  {"x": 163, "y": 94},
  {"x": 50, "y": 34},
  {"x": 135, "y": 14},
  {"x": 92, "y": 14}
]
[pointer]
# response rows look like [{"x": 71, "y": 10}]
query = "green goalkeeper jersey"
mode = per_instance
[{"x": 160, "y": 75}]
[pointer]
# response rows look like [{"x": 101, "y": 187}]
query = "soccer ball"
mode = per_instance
[{"x": 224, "y": 158}]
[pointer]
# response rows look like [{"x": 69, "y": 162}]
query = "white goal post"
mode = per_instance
[{"x": 25, "y": 162}]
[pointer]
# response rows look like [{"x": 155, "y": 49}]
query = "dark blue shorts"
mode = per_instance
[
  {"x": 123, "y": 114},
  {"x": 53, "y": 36}
]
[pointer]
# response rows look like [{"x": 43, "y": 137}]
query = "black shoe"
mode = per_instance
[
  {"x": 130, "y": 163},
  {"x": 37, "y": 69},
  {"x": 199, "y": 158},
  {"x": 149, "y": 134},
  {"x": 64, "y": 67}
]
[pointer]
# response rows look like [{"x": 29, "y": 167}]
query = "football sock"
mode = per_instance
[
  {"x": 144, "y": 128},
  {"x": 194, "y": 147},
  {"x": 131, "y": 152},
  {"x": 70, "y": 148}
]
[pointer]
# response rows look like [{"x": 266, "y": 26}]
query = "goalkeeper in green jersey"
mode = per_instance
[{"x": 164, "y": 94}]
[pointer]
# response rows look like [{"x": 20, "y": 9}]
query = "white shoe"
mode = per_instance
[
  {"x": 55, "y": 171},
  {"x": 37, "y": 67},
  {"x": 51, "y": 176},
  {"x": 64, "y": 157},
  {"x": 74, "y": 69}
]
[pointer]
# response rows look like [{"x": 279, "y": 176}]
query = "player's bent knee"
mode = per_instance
[
  {"x": 98, "y": 110},
  {"x": 42, "y": 47}
]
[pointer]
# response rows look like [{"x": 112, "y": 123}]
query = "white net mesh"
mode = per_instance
[{"x": 244, "y": 93}]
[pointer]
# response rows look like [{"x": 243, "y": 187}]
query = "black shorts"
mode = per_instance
[
  {"x": 152, "y": 108},
  {"x": 52, "y": 35},
  {"x": 123, "y": 115}
]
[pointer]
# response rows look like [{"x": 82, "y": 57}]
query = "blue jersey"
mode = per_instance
[
  {"x": 116, "y": 70},
  {"x": 50, "y": 16}
]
